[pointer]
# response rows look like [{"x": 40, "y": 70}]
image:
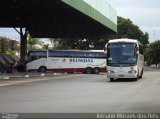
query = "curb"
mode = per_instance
[
  {"x": 5, "y": 76},
  {"x": 12, "y": 80}
]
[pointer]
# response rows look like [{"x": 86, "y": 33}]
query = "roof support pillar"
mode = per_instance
[{"x": 23, "y": 46}]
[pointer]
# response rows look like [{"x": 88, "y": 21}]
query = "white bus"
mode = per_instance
[
  {"x": 66, "y": 61},
  {"x": 124, "y": 59}
]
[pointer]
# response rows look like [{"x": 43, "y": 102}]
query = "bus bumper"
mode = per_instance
[{"x": 122, "y": 75}]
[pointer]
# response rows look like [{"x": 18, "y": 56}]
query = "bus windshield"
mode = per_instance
[{"x": 121, "y": 54}]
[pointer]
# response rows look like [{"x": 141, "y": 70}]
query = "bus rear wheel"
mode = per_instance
[
  {"x": 89, "y": 70},
  {"x": 42, "y": 69},
  {"x": 96, "y": 70}
]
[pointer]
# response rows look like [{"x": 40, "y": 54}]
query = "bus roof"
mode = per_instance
[
  {"x": 66, "y": 50},
  {"x": 124, "y": 40}
]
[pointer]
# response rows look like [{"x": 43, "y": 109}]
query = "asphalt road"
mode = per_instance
[{"x": 84, "y": 93}]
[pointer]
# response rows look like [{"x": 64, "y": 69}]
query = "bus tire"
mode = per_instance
[
  {"x": 96, "y": 70},
  {"x": 135, "y": 79},
  {"x": 42, "y": 69},
  {"x": 141, "y": 74},
  {"x": 112, "y": 79},
  {"x": 89, "y": 70}
]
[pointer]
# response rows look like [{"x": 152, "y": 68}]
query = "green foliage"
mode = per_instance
[
  {"x": 126, "y": 29},
  {"x": 147, "y": 52},
  {"x": 32, "y": 41},
  {"x": 152, "y": 53},
  {"x": 45, "y": 46},
  {"x": 4, "y": 44},
  {"x": 81, "y": 44},
  {"x": 12, "y": 52},
  {"x": 52, "y": 40},
  {"x": 13, "y": 44},
  {"x": 8, "y": 45}
]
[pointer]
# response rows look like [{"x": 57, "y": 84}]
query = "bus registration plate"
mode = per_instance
[{"x": 121, "y": 76}]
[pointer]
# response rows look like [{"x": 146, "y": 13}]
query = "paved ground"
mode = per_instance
[
  {"x": 23, "y": 77},
  {"x": 84, "y": 93}
]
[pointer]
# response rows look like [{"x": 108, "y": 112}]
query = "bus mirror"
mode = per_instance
[
  {"x": 105, "y": 52},
  {"x": 105, "y": 48},
  {"x": 137, "y": 50}
]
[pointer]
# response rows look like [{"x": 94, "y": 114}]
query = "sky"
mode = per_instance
[{"x": 144, "y": 13}]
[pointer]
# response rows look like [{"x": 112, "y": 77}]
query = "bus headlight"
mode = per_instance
[
  {"x": 132, "y": 72},
  {"x": 110, "y": 72}
]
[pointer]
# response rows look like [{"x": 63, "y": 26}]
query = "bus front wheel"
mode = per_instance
[
  {"x": 42, "y": 69},
  {"x": 111, "y": 79},
  {"x": 141, "y": 74},
  {"x": 89, "y": 70}
]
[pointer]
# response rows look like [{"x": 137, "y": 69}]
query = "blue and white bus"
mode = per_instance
[
  {"x": 93, "y": 61},
  {"x": 125, "y": 59}
]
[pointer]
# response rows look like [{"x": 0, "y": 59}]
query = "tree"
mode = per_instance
[
  {"x": 126, "y": 29},
  {"x": 153, "y": 53},
  {"x": 147, "y": 53},
  {"x": 52, "y": 40},
  {"x": 145, "y": 38},
  {"x": 65, "y": 43},
  {"x": 45, "y": 46},
  {"x": 8, "y": 45},
  {"x": 13, "y": 47},
  {"x": 13, "y": 44},
  {"x": 32, "y": 41},
  {"x": 4, "y": 45}
]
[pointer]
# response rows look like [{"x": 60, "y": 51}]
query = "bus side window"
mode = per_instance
[
  {"x": 79, "y": 54},
  {"x": 71, "y": 54},
  {"x": 91, "y": 54},
  {"x": 102, "y": 55},
  {"x": 55, "y": 53},
  {"x": 68, "y": 54}
]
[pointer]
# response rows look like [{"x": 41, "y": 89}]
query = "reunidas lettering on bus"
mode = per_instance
[{"x": 81, "y": 60}]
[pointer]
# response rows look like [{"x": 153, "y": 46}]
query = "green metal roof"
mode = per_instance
[
  {"x": 60, "y": 18},
  {"x": 99, "y": 10}
]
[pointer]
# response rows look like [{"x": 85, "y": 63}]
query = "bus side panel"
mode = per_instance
[
  {"x": 68, "y": 70},
  {"x": 140, "y": 63},
  {"x": 56, "y": 64},
  {"x": 35, "y": 64},
  {"x": 81, "y": 64},
  {"x": 75, "y": 64},
  {"x": 103, "y": 69}
]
